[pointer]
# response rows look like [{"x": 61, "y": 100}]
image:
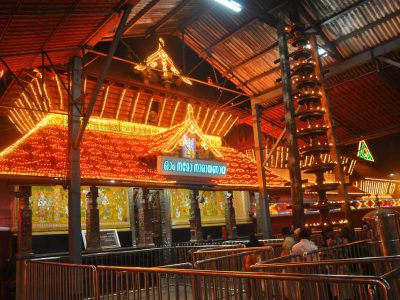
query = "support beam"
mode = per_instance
[
  {"x": 145, "y": 218},
  {"x": 331, "y": 134},
  {"x": 337, "y": 68},
  {"x": 138, "y": 16},
  {"x": 24, "y": 238},
  {"x": 279, "y": 139},
  {"x": 372, "y": 135},
  {"x": 133, "y": 214},
  {"x": 17, "y": 79},
  {"x": 92, "y": 221},
  {"x": 389, "y": 61},
  {"x": 74, "y": 171},
  {"x": 342, "y": 12},
  {"x": 368, "y": 27},
  {"x": 230, "y": 216},
  {"x": 254, "y": 57},
  {"x": 263, "y": 215},
  {"x": 196, "y": 233},
  {"x": 24, "y": 244},
  {"x": 166, "y": 226},
  {"x": 60, "y": 79},
  {"x": 167, "y": 17},
  {"x": 296, "y": 189},
  {"x": 113, "y": 47},
  {"x": 329, "y": 45},
  {"x": 232, "y": 33}
]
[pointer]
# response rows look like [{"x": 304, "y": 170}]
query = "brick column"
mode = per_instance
[
  {"x": 230, "y": 217},
  {"x": 145, "y": 219},
  {"x": 24, "y": 221},
  {"x": 92, "y": 221},
  {"x": 195, "y": 218}
]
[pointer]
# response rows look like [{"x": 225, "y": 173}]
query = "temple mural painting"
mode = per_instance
[{"x": 50, "y": 207}]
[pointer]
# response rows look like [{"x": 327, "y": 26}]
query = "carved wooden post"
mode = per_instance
[
  {"x": 24, "y": 221},
  {"x": 166, "y": 222},
  {"x": 331, "y": 134},
  {"x": 145, "y": 219},
  {"x": 92, "y": 221},
  {"x": 296, "y": 189},
  {"x": 133, "y": 215},
  {"x": 230, "y": 217},
  {"x": 195, "y": 218},
  {"x": 24, "y": 239}
]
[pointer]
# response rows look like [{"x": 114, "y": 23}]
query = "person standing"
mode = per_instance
[
  {"x": 288, "y": 241},
  {"x": 305, "y": 245}
]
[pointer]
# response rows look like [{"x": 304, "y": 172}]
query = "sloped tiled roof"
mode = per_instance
[{"x": 107, "y": 153}]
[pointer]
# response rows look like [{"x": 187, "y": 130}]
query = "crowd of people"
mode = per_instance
[{"x": 297, "y": 241}]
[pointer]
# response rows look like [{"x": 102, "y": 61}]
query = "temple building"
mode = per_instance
[{"x": 199, "y": 149}]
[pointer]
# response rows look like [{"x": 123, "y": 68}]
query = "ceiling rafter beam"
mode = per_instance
[
  {"x": 232, "y": 33},
  {"x": 263, "y": 74},
  {"x": 167, "y": 17},
  {"x": 254, "y": 57},
  {"x": 342, "y": 12},
  {"x": 367, "y": 27},
  {"x": 328, "y": 44},
  {"x": 337, "y": 68},
  {"x": 372, "y": 135},
  {"x": 139, "y": 15}
]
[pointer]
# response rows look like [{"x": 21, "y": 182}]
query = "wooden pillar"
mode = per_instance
[
  {"x": 24, "y": 239},
  {"x": 74, "y": 171},
  {"x": 145, "y": 219},
  {"x": 230, "y": 217},
  {"x": 196, "y": 233},
  {"x": 296, "y": 189},
  {"x": 24, "y": 221},
  {"x": 92, "y": 221},
  {"x": 166, "y": 222},
  {"x": 331, "y": 134},
  {"x": 263, "y": 215},
  {"x": 133, "y": 215}
]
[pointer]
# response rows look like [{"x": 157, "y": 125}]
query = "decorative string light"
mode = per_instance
[
  {"x": 148, "y": 111},
  {"x": 211, "y": 120},
  {"x": 120, "y": 102},
  {"x": 160, "y": 58},
  {"x": 35, "y": 112},
  {"x": 104, "y": 100},
  {"x": 14, "y": 120},
  {"x": 131, "y": 118},
  {"x": 116, "y": 158},
  {"x": 173, "y": 115},
  {"x": 230, "y": 127},
  {"x": 216, "y": 124},
  {"x": 27, "y": 115},
  {"x": 59, "y": 92},
  {"x": 205, "y": 118},
  {"x": 198, "y": 114},
  {"x": 162, "y": 111},
  {"x": 224, "y": 124}
]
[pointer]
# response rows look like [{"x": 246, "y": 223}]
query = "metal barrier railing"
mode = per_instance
[
  {"x": 376, "y": 266},
  {"x": 351, "y": 250},
  {"x": 235, "y": 262},
  {"x": 207, "y": 253},
  {"x": 150, "y": 257},
  {"x": 48, "y": 280},
  {"x": 63, "y": 281}
]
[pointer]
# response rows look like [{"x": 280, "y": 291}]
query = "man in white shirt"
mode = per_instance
[{"x": 305, "y": 245}]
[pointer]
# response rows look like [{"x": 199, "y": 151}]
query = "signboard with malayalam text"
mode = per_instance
[
  {"x": 175, "y": 166},
  {"x": 108, "y": 239}
]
